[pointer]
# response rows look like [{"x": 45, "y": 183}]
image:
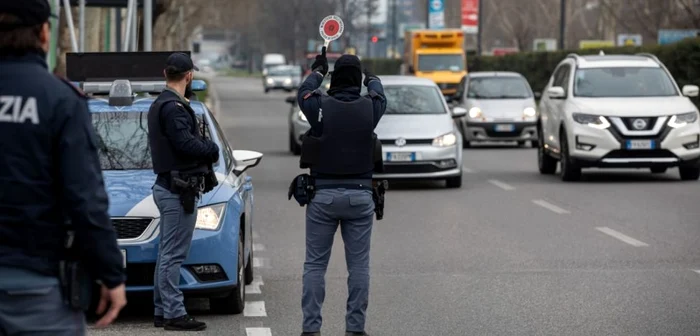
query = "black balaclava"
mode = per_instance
[{"x": 347, "y": 73}]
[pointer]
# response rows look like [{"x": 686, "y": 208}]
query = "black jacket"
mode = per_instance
[{"x": 50, "y": 174}]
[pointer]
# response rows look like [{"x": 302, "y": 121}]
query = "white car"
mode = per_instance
[{"x": 617, "y": 111}]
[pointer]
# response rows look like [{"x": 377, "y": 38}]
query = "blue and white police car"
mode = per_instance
[{"x": 220, "y": 261}]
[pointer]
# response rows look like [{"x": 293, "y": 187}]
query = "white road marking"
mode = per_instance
[
  {"x": 468, "y": 170},
  {"x": 551, "y": 207},
  {"x": 696, "y": 271},
  {"x": 618, "y": 235},
  {"x": 258, "y": 332},
  {"x": 254, "y": 309},
  {"x": 254, "y": 287},
  {"x": 258, "y": 247},
  {"x": 260, "y": 262},
  {"x": 502, "y": 185}
]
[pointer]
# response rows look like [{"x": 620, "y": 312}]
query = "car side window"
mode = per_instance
[
  {"x": 228, "y": 155},
  {"x": 561, "y": 77}
]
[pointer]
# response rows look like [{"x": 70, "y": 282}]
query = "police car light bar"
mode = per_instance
[{"x": 122, "y": 91}]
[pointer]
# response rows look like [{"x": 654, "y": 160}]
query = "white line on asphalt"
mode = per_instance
[
  {"x": 258, "y": 332},
  {"x": 468, "y": 170},
  {"x": 549, "y": 206},
  {"x": 254, "y": 287},
  {"x": 254, "y": 309},
  {"x": 502, "y": 185},
  {"x": 696, "y": 271},
  {"x": 260, "y": 262},
  {"x": 618, "y": 235},
  {"x": 258, "y": 247}
]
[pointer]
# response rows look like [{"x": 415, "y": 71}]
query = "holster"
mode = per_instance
[
  {"x": 302, "y": 188},
  {"x": 378, "y": 191},
  {"x": 310, "y": 150},
  {"x": 189, "y": 187},
  {"x": 77, "y": 285}
]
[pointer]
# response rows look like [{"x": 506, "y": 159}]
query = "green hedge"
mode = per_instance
[{"x": 682, "y": 59}]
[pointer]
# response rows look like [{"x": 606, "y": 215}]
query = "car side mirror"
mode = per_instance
[
  {"x": 291, "y": 100},
  {"x": 538, "y": 95},
  {"x": 459, "y": 112},
  {"x": 691, "y": 90},
  {"x": 245, "y": 159},
  {"x": 556, "y": 92}
]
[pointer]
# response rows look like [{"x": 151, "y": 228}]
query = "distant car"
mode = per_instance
[
  {"x": 501, "y": 107},
  {"x": 617, "y": 111},
  {"x": 282, "y": 77},
  {"x": 220, "y": 261},
  {"x": 419, "y": 137}
]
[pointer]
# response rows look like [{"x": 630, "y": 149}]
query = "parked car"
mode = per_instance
[{"x": 617, "y": 111}]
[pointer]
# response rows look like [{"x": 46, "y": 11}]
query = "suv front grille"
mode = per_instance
[
  {"x": 649, "y": 123},
  {"x": 130, "y": 228}
]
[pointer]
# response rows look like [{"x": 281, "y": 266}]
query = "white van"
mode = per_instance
[{"x": 270, "y": 60}]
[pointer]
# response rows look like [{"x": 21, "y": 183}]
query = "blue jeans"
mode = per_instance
[
  {"x": 31, "y": 304},
  {"x": 176, "y": 230},
  {"x": 353, "y": 210}
]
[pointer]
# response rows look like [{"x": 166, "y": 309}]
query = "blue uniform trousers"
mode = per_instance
[{"x": 353, "y": 210}]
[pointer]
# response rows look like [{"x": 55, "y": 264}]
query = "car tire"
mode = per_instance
[
  {"x": 454, "y": 182},
  {"x": 546, "y": 164},
  {"x": 234, "y": 302},
  {"x": 570, "y": 172},
  {"x": 658, "y": 170},
  {"x": 689, "y": 173},
  {"x": 249, "y": 274}
]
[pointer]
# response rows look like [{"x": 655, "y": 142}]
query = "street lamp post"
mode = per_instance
[{"x": 562, "y": 25}]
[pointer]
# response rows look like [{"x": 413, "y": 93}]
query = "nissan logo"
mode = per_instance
[
  {"x": 639, "y": 124},
  {"x": 400, "y": 142}
]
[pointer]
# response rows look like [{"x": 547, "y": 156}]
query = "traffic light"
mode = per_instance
[{"x": 375, "y": 39}]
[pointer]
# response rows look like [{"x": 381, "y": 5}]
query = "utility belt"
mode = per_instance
[
  {"x": 78, "y": 287},
  {"x": 303, "y": 188},
  {"x": 189, "y": 186}
]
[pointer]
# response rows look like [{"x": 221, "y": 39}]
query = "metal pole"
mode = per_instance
[
  {"x": 118, "y": 28},
  {"x": 71, "y": 28},
  {"x": 394, "y": 28},
  {"x": 369, "y": 31},
  {"x": 479, "y": 28},
  {"x": 129, "y": 19},
  {"x": 148, "y": 25},
  {"x": 562, "y": 26},
  {"x": 51, "y": 57},
  {"x": 135, "y": 26},
  {"x": 81, "y": 5},
  {"x": 108, "y": 31},
  {"x": 181, "y": 29}
]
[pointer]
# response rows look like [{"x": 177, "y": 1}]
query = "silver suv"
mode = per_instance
[{"x": 617, "y": 111}]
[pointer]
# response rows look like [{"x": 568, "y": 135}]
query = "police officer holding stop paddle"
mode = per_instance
[{"x": 340, "y": 149}]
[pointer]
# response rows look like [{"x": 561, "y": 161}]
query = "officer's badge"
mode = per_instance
[{"x": 308, "y": 95}]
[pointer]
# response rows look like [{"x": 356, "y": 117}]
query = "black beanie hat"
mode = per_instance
[{"x": 347, "y": 72}]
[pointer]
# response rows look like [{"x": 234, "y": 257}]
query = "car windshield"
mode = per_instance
[
  {"x": 623, "y": 82},
  {"x": 498, "y": 88},
  {"x": 440, "y": 63},
  {"x": 284, "y": 72},
  {"x": 413, "y": 99}
]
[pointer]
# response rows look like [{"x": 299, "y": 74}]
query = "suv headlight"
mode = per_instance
[
  {"x": 529, "y": 113},
  {"x": 301, "y": 116},
  {"x": 680, "y": 120},
  {"x": 475, "y": 113},
  {"x": 270, "y": 81},
  {"x": 209, "y": 217},
  {"x": 449, "y": 139},
  {"x": 591, "y": 120}
]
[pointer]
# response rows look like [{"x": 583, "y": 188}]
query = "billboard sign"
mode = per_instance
[
  {"x": 470, "y": 16},
  {"x": 629, "y": 40},
  {"x": 593, "y": 44},
  {"x": 436, "y": 14},
  {"x": 544, "y": 44},
  {"x": 668, "y": 36}
]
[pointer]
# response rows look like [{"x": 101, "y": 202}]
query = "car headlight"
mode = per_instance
[
  {"x": 301, "y": 116},
  {"x": 287, "y": 81},
  {"x": 680, "y": 120},
  {"x": 475, "y": 113},
  {"x": 270, "y": 81},
  {"x": 209, "y": 217},
  {"x": 449, "y": 139},
  {"x": 591, "y": 120},
  {"x": 529, "y": 112}
]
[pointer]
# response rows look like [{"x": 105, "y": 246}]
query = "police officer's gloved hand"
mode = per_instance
[
  {"x": 368, "y": 77},
  {"x": 321, "y": 63}
]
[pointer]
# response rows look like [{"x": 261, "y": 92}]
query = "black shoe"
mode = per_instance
[
  {"x": 356, "y": 333},
  {"x": 158, "y": 321},
  {"x": 184, "y": 323}
]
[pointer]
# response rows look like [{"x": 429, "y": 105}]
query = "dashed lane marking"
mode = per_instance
[
  {"x": 258, "y": 332},
  {"x": 468, "y": 170},
  {"x": 551, "y": 207},
  {"x": 502, "y": 185},
  {"x": 260, "y": 262},
  {"x": 258, "y": 247},
  {"x": 254, "y": 287},
  {"x": 254, "y": 309},
  {"x": 620, "y": 236},
  {"x": 696, "y": 271}
]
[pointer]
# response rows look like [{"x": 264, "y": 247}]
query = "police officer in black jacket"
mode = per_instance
[
  {"x": 56, "y": 238},
  {"x": 342, "y": 162},
  {"x": 182, "y": 159}
]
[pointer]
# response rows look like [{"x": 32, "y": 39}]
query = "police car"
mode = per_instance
[{"x": 220, "y": 261}]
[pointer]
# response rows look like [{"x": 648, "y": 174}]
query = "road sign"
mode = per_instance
[
  {"x": 629, "y": 40},
  {"x": 667, "y": 36},
  {"x": 470, "y": 16},
  {"x": 593, "y": 44},
  {"x": 331, "y": 28},
  {"x": 436, "y": 14},
  {"x": 544, "y": 44}
]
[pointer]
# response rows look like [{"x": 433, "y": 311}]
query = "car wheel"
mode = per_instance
[
  {"x": 569, "y": 171},
  {"x": 234, "y": 302},
  {"x": 546, "y": 163},
  {"x": 689, "y": 173},
  {"x": 454, "y": 182},
  {"x": 658, "y": 170}
]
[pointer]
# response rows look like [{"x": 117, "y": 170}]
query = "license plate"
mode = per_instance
[
  {"x": 640, "y": 144},
  {"x": 505, "y": 128},
  {"x": 401, "y": 157},
  {"x": 124, "y": 258}
]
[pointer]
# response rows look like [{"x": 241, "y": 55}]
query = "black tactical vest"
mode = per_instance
[
  {"x": 164, "y": 157},
  {"x": 346, "y": 146}
]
